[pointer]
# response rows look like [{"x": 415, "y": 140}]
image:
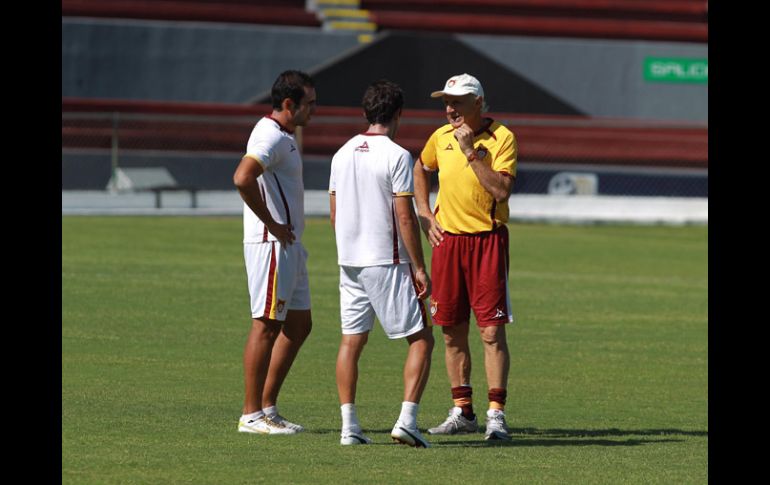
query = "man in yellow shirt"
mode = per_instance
[{"x": 476, "y": 161}]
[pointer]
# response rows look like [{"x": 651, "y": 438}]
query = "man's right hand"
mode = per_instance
[
  {"x": 422, "y": 281},
  {"x": 283, "y": 232},
  {"x": 432, "y": 229}
]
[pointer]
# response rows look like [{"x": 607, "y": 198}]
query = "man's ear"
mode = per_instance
[{"x": 288, "y": 105}]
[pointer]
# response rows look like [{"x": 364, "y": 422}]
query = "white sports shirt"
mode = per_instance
[
  {"x": 367, "y": 173},
  {"x": 281, "y": 184}
]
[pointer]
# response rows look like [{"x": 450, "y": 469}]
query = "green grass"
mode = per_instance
[{"x": 608, "y": 384}]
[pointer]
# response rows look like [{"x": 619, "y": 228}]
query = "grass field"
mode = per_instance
[{"x": 608, "y": 384}]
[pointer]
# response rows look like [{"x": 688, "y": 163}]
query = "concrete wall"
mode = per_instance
[
  {"x": 234, "y": 63},
  {"x": 602, "y": 77},
  {"x": 185, "y": 61}
]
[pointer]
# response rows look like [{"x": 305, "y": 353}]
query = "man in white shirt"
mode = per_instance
[
  {"x": 269, "y": 180},
  {"x": 382, "y": 269}
]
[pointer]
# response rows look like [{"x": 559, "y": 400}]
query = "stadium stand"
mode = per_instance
[
  {"x": 663, "y": 20},
  {"x": 580, "y": 139},
  {"x": 577, "y": 105},
  {"x": 671, "y": 20},
  {"x": 290, "y": 12}
]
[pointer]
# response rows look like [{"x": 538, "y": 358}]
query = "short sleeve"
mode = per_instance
[
  {"x": 505, "y": 161},
  {"x": 263, "y": 146},
  {"x": 428, "y": 154},
  {"x": 402, "y": 178}
]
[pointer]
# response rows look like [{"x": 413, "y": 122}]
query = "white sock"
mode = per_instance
[
  {"x": 350, "y": 418},
  {"x": 249, "y": 417},
  {"x": 271, "y": 411},
  {"x": 494, "y": 412},
  {"x": 408, "y": 415}
]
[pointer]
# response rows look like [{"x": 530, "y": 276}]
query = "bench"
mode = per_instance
[{"x": 149, "y": 179}]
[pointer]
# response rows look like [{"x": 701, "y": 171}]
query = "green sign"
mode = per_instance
[{"x": 671, "y": 70}]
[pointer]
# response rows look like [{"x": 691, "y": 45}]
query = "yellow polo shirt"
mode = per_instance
[{"x": 463, "y": 206}]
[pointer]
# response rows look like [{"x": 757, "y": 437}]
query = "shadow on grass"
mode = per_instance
[
  {"x": 555, "y": 437},
  {"x": 604, "y": 432},
  {"x": 517, "y": 441}
]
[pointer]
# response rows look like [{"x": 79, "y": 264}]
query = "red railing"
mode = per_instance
[{"x": 148, "y": 125}]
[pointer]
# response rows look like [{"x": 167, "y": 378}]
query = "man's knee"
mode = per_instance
[
  {"x": 494, "y": 336},
  {"x": 423, "y": 338},
  {"x": 265, "y": 328},
  {"x": 456, "y": 336},
  {"x": 354, "y": 342},
  {"x": 298, "y": 325}
]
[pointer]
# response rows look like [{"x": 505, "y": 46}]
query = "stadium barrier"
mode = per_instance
[{"x": 201, "y": 144}]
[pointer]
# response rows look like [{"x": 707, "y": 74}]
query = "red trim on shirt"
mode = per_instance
[
  {"x": 373, "y": 134},
  {"x": 395, "y": 233},
  {"x": 485, "y": 129},
  {"x": 283, "y": 198},
  {"x": 283, "y": 128},
  {"x": 264, "y": 233}
]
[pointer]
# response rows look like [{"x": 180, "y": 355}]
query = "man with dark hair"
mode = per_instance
[
  {"x": 269, "y": 180},
  {"x": 290, "y": 84},
  {"x": 382, "y": 269},
  {"x": 476, "y": 161}
]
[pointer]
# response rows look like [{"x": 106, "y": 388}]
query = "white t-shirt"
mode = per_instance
[
  {"x": 281, "y": 183},
  {"x": 367, "y": 173}
]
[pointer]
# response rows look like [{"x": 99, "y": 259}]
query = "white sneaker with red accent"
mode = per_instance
[{"x": 497, "y": 429}]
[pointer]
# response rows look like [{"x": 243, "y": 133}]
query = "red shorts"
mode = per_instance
[{"x": 471, "y": 271}]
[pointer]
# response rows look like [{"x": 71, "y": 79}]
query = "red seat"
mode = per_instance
[
  {"x": 269, "y": 13},
  {"x": 544, "y": 139}
]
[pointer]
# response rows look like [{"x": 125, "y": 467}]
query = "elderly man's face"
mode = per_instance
[{"x": 461, "y": 109}]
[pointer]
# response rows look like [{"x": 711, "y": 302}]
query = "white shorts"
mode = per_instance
[
  {"x": 277, "y": 278},
  {"x": 387, "y": 291}
]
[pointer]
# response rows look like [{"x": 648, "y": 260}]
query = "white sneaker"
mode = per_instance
[
  {"x": 277, "y": 418},
  {"x": 264, "y": 425},
  {"x": 497, "y": 429},
  {"x": 408, "y": 436},
  {"x": 354, "y": 437},
  {"x": 456, "y": 423}
]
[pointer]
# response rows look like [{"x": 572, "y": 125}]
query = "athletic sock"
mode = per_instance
[
  {"x": 463, "y": 399},
  {"x": 408, "y": 416},
  {"x": 350, "y": 418},
  {"x": 497, "y": 397},
  {"x": 253, "y": 416},
  {"x": 270, "y": 411}
]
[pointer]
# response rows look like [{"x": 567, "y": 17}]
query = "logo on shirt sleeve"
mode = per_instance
[{"x": 449, "y": 147}]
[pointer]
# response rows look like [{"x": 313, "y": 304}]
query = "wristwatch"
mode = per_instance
[{"x": 478, "y": 154}]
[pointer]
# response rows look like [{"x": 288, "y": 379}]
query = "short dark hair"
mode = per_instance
[
  {"x": 382, "y": 101},
  {"x": 290, "y": 84}
]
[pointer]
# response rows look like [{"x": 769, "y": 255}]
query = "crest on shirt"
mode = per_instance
[
  {"x": 449, "y": 147},
  {"x": 363, "y": 148},
  {"x": 293, "y": 148}
]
